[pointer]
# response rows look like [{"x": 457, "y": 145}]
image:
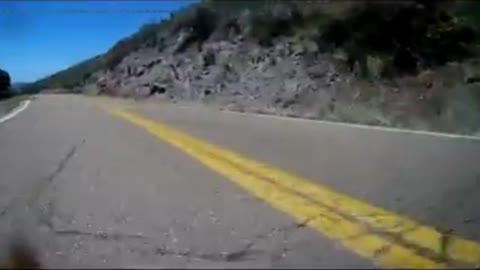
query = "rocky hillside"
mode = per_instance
[{"x": 407, "y": 64}]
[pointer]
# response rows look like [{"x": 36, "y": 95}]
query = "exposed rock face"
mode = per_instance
[
  {"x": 294, "y": 75},
  {"x": 290, "y": 78},
  {"x": 230, "y": 72}
]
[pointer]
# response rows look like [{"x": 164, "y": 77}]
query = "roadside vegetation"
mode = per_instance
[
  {"x": 8, "y": 98},
  {"x": 5, "y": 84},
  {"x": 402, "y": 63},
  {"x": 412, "y": 38}
]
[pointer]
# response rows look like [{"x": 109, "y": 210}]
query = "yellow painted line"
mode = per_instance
[
  {"x": 421, "y": 235},
  {"x": 303, "y": 200},
  {"x": 349, "y": 234}
]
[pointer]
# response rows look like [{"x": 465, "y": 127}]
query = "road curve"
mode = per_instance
[{"x": 113, "y": 183}]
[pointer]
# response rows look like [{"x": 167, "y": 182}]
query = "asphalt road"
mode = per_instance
[{"x": 91, "y": 186}]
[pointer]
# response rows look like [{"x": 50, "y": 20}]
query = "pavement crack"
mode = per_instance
[
  {"x": 234, "y": 256},
  {"x": 240, "y": 254},
  {"x": 244, "y": 253},
  {"x": 50, "y": 178},
  {"x": 62, "y": 164},
  {"x": 3, "y": 211},
  {"x": 32, "y": 200},
  {"x": 46, "y": 214},
  {"x": 305, "y": 222},
  {"x": 100, "y": 235},
  {"x": 290, "y": 229},
  {"x": 444, "y": 243},
  {"x": 46, "y": 210},
  {"x": 440, "y": 256},
  {"x": 382, "y": 251}
]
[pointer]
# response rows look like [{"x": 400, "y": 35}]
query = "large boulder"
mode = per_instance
[{"x": 157, "y": 88}]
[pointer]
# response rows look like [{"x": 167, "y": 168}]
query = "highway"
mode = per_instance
[{"x": 99, "y": 182}]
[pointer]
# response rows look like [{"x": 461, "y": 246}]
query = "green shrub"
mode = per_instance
[
  {"x": 235, "y": 7},
  {"x": 197, "y": 25},
  {"x": 281, "y": 19},
  {"x": 469, "y": 13},
  {"x": 417, "y": 34}
]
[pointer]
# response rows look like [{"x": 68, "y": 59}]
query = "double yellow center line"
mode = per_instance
[{"x": 388, "y": 239}]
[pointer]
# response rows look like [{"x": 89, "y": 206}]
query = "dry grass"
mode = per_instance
[{"x": 359, "y": 114}]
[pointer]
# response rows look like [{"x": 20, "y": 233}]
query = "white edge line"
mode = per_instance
[
  {"x": 23, "y": 105},
  {"x": 343, "y": 124},
  {"x": 340, "y": 124}
]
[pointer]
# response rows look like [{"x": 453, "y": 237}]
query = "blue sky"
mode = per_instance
[{"x": 38, "y": 38}]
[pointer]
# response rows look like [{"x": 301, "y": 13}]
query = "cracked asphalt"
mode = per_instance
[{"x": 91, "y": 190}]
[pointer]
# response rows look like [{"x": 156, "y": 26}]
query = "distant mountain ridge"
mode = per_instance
[{"x": 18, "y": 87}]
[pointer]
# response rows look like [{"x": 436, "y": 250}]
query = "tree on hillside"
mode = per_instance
[
  {"x": 4, "y": 83},
  {"x": 4, "y": 79},
  {"x": 413, "y": 34}
]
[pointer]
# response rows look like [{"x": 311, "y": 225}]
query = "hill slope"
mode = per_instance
[{"x": 409, "y": 63}]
